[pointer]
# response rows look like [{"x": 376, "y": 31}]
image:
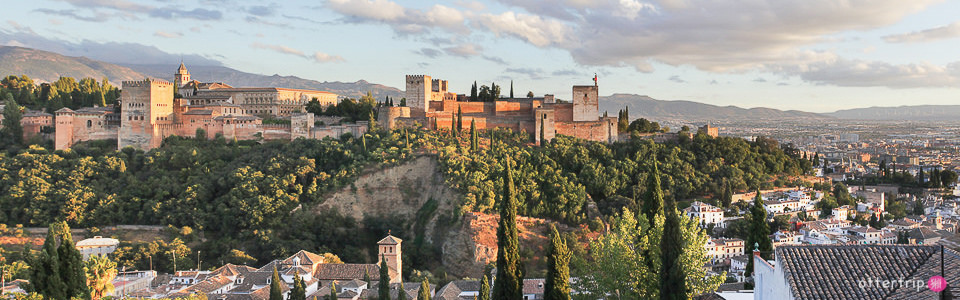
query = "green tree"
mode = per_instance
[
  {"x": 403, "y": 102},
  {"x": 383, "y": 288},
  {"x": 276, "y": 291},
  {"x": 333, "y": 292},
  {"x": 45, "y": 277},
  {"x": 12, "y": 130},
  {"x": 372, "y": 121},
  {"x": 509, "y": 284},
  {"x": 424, "y": 293},
  {"x": 653, "y": 200},
  {"x": 474, "y": 139},
  {"x": 473, "y": 92},
  {"x": 72, "y": 265},
  {"x": 759, "y": 234},
  {"x": 402, "y": 292},
  {"x": 672, "y": 277},
  {"x": 511, "y": 89},
  {"x": 459, "y": 119},
  {"x": 530, "y": 94},
  {"x": 484, "y": 288},
  {"x": 557, "y": 285},
  {"x": 299, "y": 291},
  {"x": 543, "y": 139}
]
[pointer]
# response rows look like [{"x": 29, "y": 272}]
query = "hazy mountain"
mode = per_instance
[
  {"x": 646, "y": 107},
  {"x": 909, "y": 113},
  {"x": 48, "y": 66},
  {"x": 243, "y": 79}
]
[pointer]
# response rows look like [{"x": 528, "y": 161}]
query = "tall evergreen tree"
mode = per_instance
[
  {"x": 543, "y": 139},
  {"x": 459, "y": 119},
  {"x": 653, "y": 199},
  {"x": 424, "y": 293},
  {"x": 484, "y": 288},
  {"x": 511, "y": 89},
  {"x": 299, "y": 291},
  {"x": 72, "y": 266},
  {"x": 12, "y": 130},
  {"x": 402, "y": 292},
  {"x": 371, "y": 121},
  {"x": 509, "y": 284},
  {"x": 45, "y": 268},
  {"x": 474, "y": 142},
  {"x": 557, "y": 285},
  {"x": 383, "y": 287},
  {"x": 333, "y": 292},
  {"x": 759, "y": 234},
  {"x": 672, "y": 277},
  {"x": 276, "y": 291},
  {"x": 473, "y": 92}
]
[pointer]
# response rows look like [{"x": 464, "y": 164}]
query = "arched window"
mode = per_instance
[{"x": 89, "y": 123}]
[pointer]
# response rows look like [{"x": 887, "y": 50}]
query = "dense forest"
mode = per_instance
[
  {"x": 249, "y": 202},
  {"x": 65, "y": 92}
]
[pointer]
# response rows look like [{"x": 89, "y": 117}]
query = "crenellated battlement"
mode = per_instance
[
  {"x": 415, "y": 77},
  {"x": 145, "y": 83}
]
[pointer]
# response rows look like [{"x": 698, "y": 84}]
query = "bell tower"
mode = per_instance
[
  {"x": 182, "y": 76},
  {"x": 390, "y": 252}
]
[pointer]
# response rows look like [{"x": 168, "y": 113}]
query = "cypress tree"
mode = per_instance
[
  {"x": 424, "y": 293},
  {"x": 372, "y": 121},
  {"x": 44, "y": 270},
  {"x": 333, "y": 292},
  {"x": 276, "y": 292},
  {"x": 473, "y": 92},
  {"x": 363, "y": 142},
  {"x": 459, "y": 119},
  {"x": 473, "y": 135},
  {"x": 402, "y": 293},
  {"x": 672, "y": 277},
  {"x": 509, "y": 284},
  {"x": 383, "y": 287},
  {"x": 557, "y": 286},
  {"x": 543, "y": 139},
  {"x": 299, "y": 291},
  {"x": 653, "y": 200},
  {"x": 406, "y": 138},
  {"x": 484, "y": 288},
  {"x": 511, "y": 89},
  {"x": 759, "y": 234},
  {"x": 72, "y": 266}
]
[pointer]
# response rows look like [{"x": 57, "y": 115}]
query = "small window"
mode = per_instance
[{"x": 89, "y": 123}]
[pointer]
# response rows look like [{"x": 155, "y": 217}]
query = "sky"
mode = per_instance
[{"x": 810, "y": 55}]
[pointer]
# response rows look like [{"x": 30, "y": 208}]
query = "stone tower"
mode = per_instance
[
  {"x": 419, "y": 88},
  {"x": 182, "y": 76},
  {"x": 586, "y": 106},
  {"x": 390, "y": 251},
  {"x": 146, "y": 106}
]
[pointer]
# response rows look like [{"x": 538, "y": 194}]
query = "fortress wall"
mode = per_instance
[{"x": 594, "y": 131}]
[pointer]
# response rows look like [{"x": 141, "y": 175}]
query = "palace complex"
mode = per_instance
[
  {"x": 430, "y": 104},
  {"x": 151, "y": 110}
]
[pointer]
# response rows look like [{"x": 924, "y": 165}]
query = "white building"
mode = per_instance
[
  {"x": 97, "y": 245},
  {"x": 705, "y": 214}
]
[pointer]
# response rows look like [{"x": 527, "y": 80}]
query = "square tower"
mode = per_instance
[
  {"x": 419, "y": 91},
  {"x": 390, "y": 251},
  {"x": 146, "y": 106},
  {"x": 585, "y": 103}
]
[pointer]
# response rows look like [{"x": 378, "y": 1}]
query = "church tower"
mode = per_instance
[
  {"x": 182, "y": 76},
  {"x": 390, "y": 251}
]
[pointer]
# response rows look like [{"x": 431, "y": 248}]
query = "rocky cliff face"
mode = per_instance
[{"x": 467, "y": 243}]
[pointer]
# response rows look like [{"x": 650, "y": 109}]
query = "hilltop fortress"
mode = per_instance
[
  {"x": 149, "y": 112},
  {"x": 430, "y": 104}
]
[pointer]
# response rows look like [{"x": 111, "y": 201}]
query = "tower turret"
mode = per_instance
[
  {"x": 390, "y": 251},
  {"x": 182, "y": 76}
]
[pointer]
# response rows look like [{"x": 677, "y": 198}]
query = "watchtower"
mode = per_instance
[
  {"x": 144, "y": 105},
  {"x": 182, "y": 76}
]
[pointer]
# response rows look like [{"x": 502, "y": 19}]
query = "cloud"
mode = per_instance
[
  {"x": 676, "y": 78},
  {"x": 262, "y": 10},
  {"x": 495, "y": 59},
  {"x": 278, "y": 49},
  {"x": 325, "y": 58},
  {"x": 128, "y": 8},
  {"x": 833, "y": 70},
  {"x": 464, "y": 50},
  {"x": 534, "y": 73},
  {"x": 429, "y": 52},
  {"x": 258, "y": 20},
  {"x": 112, "y": 52},
  {"x": 72, "y": 13},
  {"x": 566, "y": 72},
  {"x": 168, "y": 35},
  {"x": 530, "y": 28},
  {"x": 759, "y": 79},
  {"x": 402, "y": 20},
  {"x": 934, "y": 34}
]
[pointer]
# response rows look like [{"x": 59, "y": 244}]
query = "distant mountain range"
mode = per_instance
[
  {"x": 242, "y": 79},
  {"x": 48, "y": 66},
  {"x": 653, "y": 109}
]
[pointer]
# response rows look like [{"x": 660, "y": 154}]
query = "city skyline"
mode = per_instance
[{"x": 816, "y": 56}]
